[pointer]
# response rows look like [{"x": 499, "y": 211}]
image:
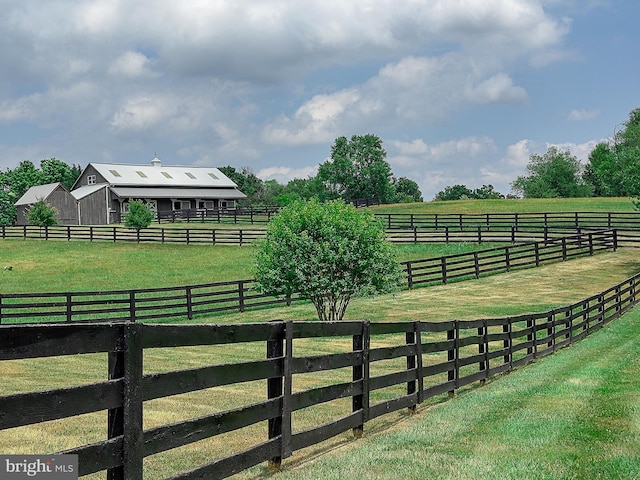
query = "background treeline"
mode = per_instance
[
  {"x": 613, "y": 170},
  {"x": 357, "y": 169}
]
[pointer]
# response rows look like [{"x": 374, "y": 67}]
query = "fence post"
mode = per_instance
[
  {"x": 189, "y": 304},
  {"x": 133, "y": 444},
  {"x": 241, "y": 295},
  {"x": 476, "y": 265},
  {"x": 615, "y": 239},
  {"x": 443, "y": 262},
  {"x": 533, "y": 349},
  {"x": 68, "y": 306},
  {"x": 361, "y": 343},
  {"x": 483, "y": 350},
  {"x": 409, "y": 275},
  {"x": 410, "y": 339},
  {"x": 452, "y": 375},
  {"x": 508, "y": 342},
  {"x": 286, "y": 398},
  {"x": 187, "y": 235},
  {"x": 213, "y": 236},
  {"x": 550, "y": 331},
  {"x": 91, "y": 233},
  {"x": 126, "y": 421},
  {"x": 479, "y": 234},
  {"x": 275, "y": 349},
  {"x": 446, "y": 233},
  {"x": 536, "y": 248},
  {"x": 507, "y": 259},
  {"x": 1, "y": 306},
  {"x": 564, "y": 249},
  {"x": 132, "y": 305},
  {"x": 114, "y": 235},
  {"x": 591, "y": 244}
]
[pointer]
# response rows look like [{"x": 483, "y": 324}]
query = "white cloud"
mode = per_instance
[
  {"x": 582, "y": 114},
  {"x": 130, "y": 64},
  {"x": 284, "y": 174}
]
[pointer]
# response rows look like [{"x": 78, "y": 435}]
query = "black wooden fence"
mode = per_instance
[
  {"x": 440, "y": 358},
  {"x": 245, "y": 236},
  {"x": 179, "y": 303},
  {"x": 261, "y": 215}
]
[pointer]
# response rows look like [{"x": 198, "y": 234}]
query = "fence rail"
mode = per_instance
[
  {"x": 246, "y": 236},
  {"x": 440, "y": 358},
  {"x": 186, "y": 302}
]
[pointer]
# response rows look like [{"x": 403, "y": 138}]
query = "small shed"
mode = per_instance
[{"x": 56, "y": 196}]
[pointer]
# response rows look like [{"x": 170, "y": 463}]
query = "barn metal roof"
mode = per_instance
[
  {"x": 158, "y": 175},
  {"x": 38, "y": 192},
  {"x": 150, "y": 192}
]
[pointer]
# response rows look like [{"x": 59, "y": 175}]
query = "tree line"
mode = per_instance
[
  {"x": 613, "y": 170},
  {"x": 357, "y": 168}
]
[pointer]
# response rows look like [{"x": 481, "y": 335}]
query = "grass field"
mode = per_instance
[
  {"x": 584, "y": 424},
  {"x": 537, "y": 205},
  {"x": 60, "y": 266}
]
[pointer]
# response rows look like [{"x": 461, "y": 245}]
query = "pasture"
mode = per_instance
[{"x": 464, "y": 426}]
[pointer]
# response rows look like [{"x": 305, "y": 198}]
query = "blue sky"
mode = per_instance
[{"x": 460, "y": 91}]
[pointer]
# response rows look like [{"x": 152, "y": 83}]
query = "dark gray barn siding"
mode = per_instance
[{"x": 93, "y": 208}]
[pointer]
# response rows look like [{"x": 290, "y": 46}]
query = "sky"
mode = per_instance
[{"x": 459, "y": 91}]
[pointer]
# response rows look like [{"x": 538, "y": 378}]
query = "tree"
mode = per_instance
[
  {"x": 54, "y": 170},
  {"x": 42, "y": 214},
  {"x": 326, "y": 252},
  {"x": 14, "y": 183},
  {"x": 357, "y": 169},
  {"x": 456, "y": 192},
  {"x": 406, "y": 191},
  {"x": 486, "y": 192},
  {"x": 248, "y": 183},
  {"x": 139, "y": 215},
  {"x": 554, "y": 174}
]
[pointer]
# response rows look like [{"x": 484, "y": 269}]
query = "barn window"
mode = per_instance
[
  {"x": 213, "y": 176},
  {"x": 91, "y": 179},
  {"x": 115, "y": 173},
  {"x": 142, "y": 174},
  {"x": 190, "y": 175},
  {"x": 166, "y": 174}
]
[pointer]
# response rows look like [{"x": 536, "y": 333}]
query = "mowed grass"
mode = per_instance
[
  {"x": 534, "y": 205},
  {"x": 61, "y": 266},
  {"x": 512, "y": 293}
]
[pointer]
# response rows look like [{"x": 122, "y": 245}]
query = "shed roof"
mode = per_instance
[
  {"x": 86, "y": 190},
  {"x": 38, "y": 192}
]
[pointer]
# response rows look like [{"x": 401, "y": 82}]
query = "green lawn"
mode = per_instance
[
  {"x": 573, "y": 415},
  {"x": 60, "y": 266},
  {"x": 535, "y": 205}
]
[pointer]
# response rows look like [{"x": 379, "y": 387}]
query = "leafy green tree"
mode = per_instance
[
  {"x": 14, "y": 183},
  {"x": 358, "y": 169},
  {"x": 486, "y": 192},
  {"x": 406, "y": 191},
  {"x": 455, "y": 192},
  {"x": 42, "y": 214},
  {"x": 614, "y": 167},
  {"x": 554, "y": 174},
  {"x": 326, "y": 252},
  {"x": 54, "y": 170},
  {"x": 139, "y": 215},
  {"x": 248, "y": 183}
]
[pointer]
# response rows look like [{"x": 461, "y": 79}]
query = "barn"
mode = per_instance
[
  {"x": 103, "y": 190},
  {"x": 56, "y": 196}
]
